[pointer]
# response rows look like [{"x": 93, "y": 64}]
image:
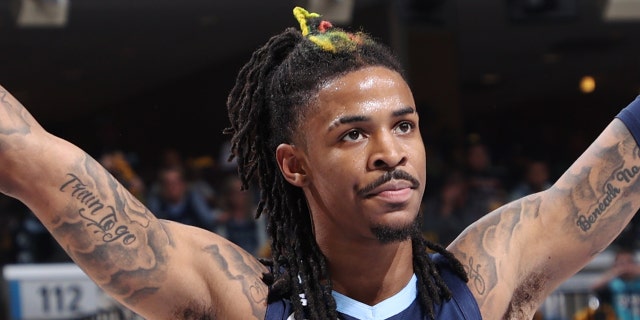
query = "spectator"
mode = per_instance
[
  {"x": 535, "y": 179},
  {"x": 623, "y": 282},
  {"x": 200, "y": 173},
  {"x": 119, "y": 166},
  {"x": 486, "y": 186},
  {"x": 176, "y": 200},
  {"x": 235, "y": 217},
  {"x": 443, "y": 213}
]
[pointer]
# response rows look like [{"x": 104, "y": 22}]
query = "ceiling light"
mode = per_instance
[
  {"x": 622, "y": 10},
  {"x": 587, "y": 84},
  {"x": 41, "y": 13}
]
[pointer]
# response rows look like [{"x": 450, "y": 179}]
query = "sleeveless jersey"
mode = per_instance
[{"x": 402, "y": 306}]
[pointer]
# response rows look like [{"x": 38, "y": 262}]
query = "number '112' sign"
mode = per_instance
[{"x": 51, "y": 292}]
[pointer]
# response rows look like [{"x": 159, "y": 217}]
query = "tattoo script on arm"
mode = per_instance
[{"x": 108, "y": 232}]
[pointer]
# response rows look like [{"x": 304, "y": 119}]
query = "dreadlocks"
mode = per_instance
[{"x": 268, "y": 102}]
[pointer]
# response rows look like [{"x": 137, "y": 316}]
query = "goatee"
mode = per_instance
[{"x": 387, "y": 234}]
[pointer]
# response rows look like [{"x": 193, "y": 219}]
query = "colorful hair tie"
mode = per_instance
[
  {"x": 302, "y": 16},
  {"x": 322, "y": 32}
]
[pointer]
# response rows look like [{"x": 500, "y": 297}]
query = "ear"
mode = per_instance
[{"x": 290, "y": 162}]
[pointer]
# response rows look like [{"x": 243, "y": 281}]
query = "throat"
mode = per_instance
[{"x": 370, "y": 276}]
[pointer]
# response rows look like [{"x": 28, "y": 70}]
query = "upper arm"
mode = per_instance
[
  {"x": 159, "y": 269},
  {"x": 518, "y": 254}
]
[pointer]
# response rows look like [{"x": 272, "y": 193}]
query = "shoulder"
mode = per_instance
[
  {"x": 463, "y": 303},
  {"x": 209, "y": 275}
]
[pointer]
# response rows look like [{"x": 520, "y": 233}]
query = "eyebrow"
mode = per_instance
[
  {"x": 359, "y": 118},
  {"x": 403, "y": 111}
]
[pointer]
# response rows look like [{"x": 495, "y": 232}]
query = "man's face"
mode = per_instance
[
  {"x": 362, "y": 130},
  {"x": 173, "y": 186},
  {"x": 626, "y": 264}
]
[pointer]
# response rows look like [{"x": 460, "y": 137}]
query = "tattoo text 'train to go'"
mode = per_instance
[
  {"x": 98, "y": 215},
  {"x": 610, "y": 193}
]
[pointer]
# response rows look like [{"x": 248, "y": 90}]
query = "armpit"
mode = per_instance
[
  {"x": 526, "y": 298},
  {"x": 194, "y": 311}
]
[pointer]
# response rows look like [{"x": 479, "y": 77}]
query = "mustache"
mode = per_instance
[{"x": 388, "y": 176}]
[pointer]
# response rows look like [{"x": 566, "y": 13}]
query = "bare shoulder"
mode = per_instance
[
  {"x": 490, "y": 251},
  {"x": 228, "y": 279}
]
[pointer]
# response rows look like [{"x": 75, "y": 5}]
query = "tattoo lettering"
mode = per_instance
[
  {"x": 627, "y": 174},
  {"x": 96, "y": 213},
  {"x": 611, "y": 192},
  {"x": 474, "y": 274}
]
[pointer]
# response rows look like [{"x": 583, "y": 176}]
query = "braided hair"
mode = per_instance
[{"x": 269, "y": 100}]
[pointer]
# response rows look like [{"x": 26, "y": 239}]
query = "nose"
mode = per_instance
[{"x": 386, "y": 152}]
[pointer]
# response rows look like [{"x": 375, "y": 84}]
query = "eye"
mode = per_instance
[
  {"x": 353, "y": 135},
  {"x": 404, "y": 127}
]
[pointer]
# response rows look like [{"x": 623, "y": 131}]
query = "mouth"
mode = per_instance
[
  {"x": 394, "y": 186},
  {"x": 393, "y": 191}
]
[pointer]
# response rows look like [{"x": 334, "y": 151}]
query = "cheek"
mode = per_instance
[
  {"x": 336, "y": 172},
  {"x": 417, "y": 154}
]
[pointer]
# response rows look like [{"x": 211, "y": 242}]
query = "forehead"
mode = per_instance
[{"x": 362, "y": 92}]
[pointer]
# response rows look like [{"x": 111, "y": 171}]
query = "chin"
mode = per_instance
[{"x": 387, "y": 233}]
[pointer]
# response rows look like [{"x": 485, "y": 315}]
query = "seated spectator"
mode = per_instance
[
  {"x": 535, "y": 179},
  {"x": 200, "y": 173},
  {"x": 443, "y": 213},
  {"x": 622, "y": 281},
  {"x": 235, "y": 216},
  {"x": 175, "y": 200},
  {"x": 485, "y": 180},
  {"x": 117, "y": 164}
]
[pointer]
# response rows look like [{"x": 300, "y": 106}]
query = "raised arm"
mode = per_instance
[
  {"x": 159, "y": 269},
  {"x": 521, "y": 252}
]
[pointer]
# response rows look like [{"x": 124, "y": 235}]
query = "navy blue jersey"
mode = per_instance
[{"x": 403, "y": 305}]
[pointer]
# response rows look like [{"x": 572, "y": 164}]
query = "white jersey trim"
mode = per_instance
[{"x": 383, "y": 310}]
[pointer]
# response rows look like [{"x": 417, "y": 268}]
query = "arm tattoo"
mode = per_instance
[
  {"x": 20, "y": 124},
  {"x": 621, "y": 177},
  {"x": 599, "y": 197},
  {"x": 492, "y": 239},
  {"x": 110, "y": 233},
  {"x": 235, "y": 268},
  {"x": 97, "y": 215},
  {"x": 473, "y": 271}
]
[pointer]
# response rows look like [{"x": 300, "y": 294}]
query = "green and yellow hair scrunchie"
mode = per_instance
[{"x": 323, "y": 34}]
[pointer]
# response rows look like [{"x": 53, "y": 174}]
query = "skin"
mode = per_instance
[{"x": 515, "y": 256}]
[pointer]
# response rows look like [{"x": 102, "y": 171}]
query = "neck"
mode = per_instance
[{"x": 369, "y": 272}]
